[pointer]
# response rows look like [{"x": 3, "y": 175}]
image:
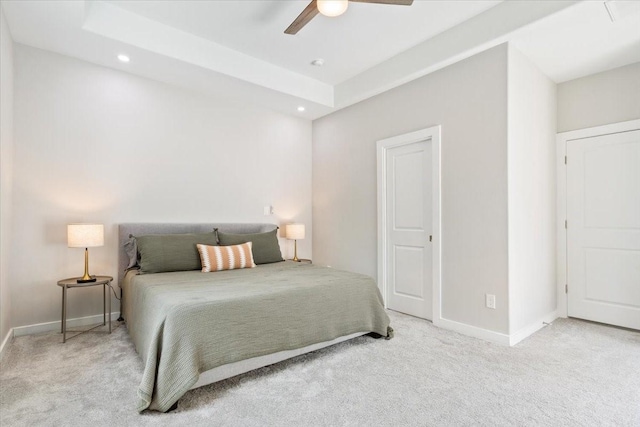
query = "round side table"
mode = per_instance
[{"x": 65, "y": 284}]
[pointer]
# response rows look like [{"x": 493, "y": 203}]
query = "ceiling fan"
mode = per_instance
[{"x": 332, "y": 8}]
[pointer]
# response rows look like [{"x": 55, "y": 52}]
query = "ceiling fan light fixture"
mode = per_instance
[{"x": 332, "y": 7}]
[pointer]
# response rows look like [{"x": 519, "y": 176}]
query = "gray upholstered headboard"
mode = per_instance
[{"x": 141, "y": 229}]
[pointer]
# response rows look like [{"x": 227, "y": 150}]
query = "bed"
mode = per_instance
[{"x": 192, "y": 328}]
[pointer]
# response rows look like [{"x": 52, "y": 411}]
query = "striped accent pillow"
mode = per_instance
[{"x": 218, "y": 258}]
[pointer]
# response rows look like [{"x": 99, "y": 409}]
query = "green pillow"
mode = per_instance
[
  {"x": 264, "y": 246},
  {"x": 171, "y": 252}
]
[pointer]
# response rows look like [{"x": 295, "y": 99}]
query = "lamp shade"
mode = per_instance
[
  {"x": 85, "y": 235},
  {"x": 332, "y": 7},
  {"x": 294, "y": 231}
]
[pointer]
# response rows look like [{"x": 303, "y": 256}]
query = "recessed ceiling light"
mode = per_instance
[
  {"x": 123, "y": 58},
  {"x": 318, "y": 62},
  {"x": 301, "y": 108}
]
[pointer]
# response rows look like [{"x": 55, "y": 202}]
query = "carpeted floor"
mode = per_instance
[{"x": 571, "y": 373}]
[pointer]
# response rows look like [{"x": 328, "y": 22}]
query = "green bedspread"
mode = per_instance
[{"x": 185, "y": 323}]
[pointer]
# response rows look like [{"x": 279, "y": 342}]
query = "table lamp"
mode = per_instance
[
  {"x": 294, "y": 232},
  {"x": 85, "y": 236}
]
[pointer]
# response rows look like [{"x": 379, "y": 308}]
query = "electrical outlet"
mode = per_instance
[{"x": 490, "y": 301}]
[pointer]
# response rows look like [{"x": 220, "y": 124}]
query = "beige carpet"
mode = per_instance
[{"x": 571, "y": 373}]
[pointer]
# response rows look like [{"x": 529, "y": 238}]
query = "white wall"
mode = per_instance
[
  {"x": 600, "y": 99},
  {"x": 6, "y": 168},
  {"x": 469, "y": 100},
  {"x": 531, "y": 178},
  {"x": 95, "y": 144}
]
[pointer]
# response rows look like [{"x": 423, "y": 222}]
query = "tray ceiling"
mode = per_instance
[{"x": 237, "y": 50}]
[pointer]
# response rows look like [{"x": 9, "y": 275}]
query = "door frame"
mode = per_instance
[
  {"x": 561, "y": 198},
  {"x": 429, "y": 134}
]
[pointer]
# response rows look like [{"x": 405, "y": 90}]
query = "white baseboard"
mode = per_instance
[
  {"x": 534, "y": 327},
  {"x": 5, "y": 342},
  {"x": 55, "y": 326},
  {"x": 497, "y": 337},
  {"x": 473, "y": 331}
]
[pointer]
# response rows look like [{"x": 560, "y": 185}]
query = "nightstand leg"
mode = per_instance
[
  {"x": 109, "y": 305},
  {"x": 64, "y": 314},
  {"x": 104, "y": 305}
]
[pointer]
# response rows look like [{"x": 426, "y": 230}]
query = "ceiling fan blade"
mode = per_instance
[
  {"x": 398, "y": 2},
  {"x": 303, "y": 19}
]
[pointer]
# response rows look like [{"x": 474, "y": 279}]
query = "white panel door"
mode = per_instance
[
  {"x": 408, "y": 216},
  {"x": 603, "y": 235}
]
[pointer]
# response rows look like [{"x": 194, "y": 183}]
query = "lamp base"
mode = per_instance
[
  {"x": 295, "y": 251},
  {"x": 86, "y": 278}
]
